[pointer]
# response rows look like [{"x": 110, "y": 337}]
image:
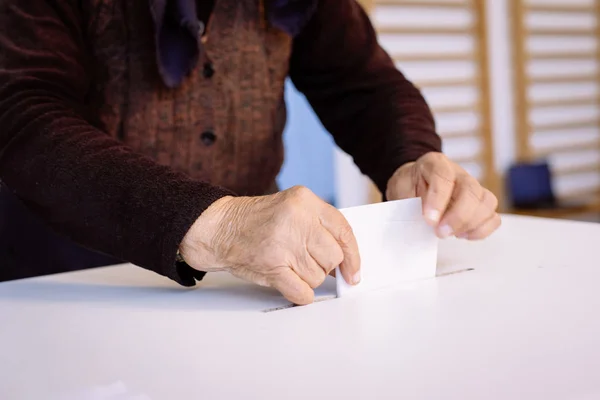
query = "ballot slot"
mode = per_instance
[
  {"x": 333, "y": 296},
  {"x": 292, "y": 305},
  {"x": 325, "y": 292}
]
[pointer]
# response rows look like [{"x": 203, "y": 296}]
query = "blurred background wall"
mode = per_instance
[
  {"x": 309, "y": 149},
  {"x": 508, "y": 80}
]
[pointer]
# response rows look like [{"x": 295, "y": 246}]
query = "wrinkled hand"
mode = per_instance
[
  {"x": 290, "y": 241},
  {"x": 453, "y": 201}
]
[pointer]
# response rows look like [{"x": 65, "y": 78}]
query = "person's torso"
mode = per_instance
[{"x": 224, "y": 123}]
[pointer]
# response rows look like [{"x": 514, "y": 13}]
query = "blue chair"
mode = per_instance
[
  {"x": 530, "y": 192},
  {"x": 530, "y": 186}
]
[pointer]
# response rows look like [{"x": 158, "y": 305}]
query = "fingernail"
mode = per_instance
[
  {"x": 445, "y": 231},
  {"x": 356, "y": 278},
  {"x": 433, "y": 215}
]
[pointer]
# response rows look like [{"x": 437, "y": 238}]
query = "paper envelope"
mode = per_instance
[{"x": 395, "y": 242}]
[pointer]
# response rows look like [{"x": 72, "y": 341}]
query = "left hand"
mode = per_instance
[{"x": 453, "y": 201}]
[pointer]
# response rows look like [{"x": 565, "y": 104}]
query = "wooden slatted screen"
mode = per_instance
[
  {"x": 441, "y": 46},
  {"x": 557, "y": 81}
]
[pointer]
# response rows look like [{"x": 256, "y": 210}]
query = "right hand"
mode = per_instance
[{"x": 290, "y": 240}]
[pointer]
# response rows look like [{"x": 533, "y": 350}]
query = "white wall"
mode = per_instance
[
  {"x": 575, "y": 147},
  {"x": 501, "y": 81},
  {"x": 309, "y": 159}
]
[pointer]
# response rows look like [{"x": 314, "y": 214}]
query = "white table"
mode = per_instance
[{"x": 524, "y": 324}]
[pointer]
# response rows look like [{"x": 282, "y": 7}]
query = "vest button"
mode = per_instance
[
  {"x": 208, "y": 138},
  {"x": 208, "y": 71}
]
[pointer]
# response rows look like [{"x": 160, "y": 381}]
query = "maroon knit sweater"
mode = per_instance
[{"x": 94, "y": 190}]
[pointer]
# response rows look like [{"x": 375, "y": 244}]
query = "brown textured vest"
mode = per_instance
[{"x": 225, "y": 128}]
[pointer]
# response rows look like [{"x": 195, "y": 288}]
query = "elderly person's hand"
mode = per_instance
[
  {"x": 290, "y": 241},
  {"x": 453, "y": 201}
]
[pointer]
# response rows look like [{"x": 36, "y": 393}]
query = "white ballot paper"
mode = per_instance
[{"x": 395, "y": 242}]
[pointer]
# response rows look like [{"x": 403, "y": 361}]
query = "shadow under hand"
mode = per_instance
[{"x": 223, "y": 295}]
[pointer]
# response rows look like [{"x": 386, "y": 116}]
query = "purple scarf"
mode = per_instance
[
  {"x": 290, "y": 15},
  {"x": 176, "y": 30}
]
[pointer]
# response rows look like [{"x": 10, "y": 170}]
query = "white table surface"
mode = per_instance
[{"x": 524, "y": 324}]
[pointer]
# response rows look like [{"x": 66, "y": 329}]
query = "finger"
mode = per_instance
[
  {"x": 468, "y": 194},
  {"x": 292, "y": 287},
  {"x": 325, "y": 250},
  {"x": 486, "y": 210},
  {"x": 485, "y": 229},
  {"x": 309, "y": 270},
  {"x": 440, "y": 177},
  {"x": 340, "y": 229},
  {"x": 477, "y": 218}
]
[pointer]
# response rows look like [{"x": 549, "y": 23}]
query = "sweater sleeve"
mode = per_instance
[
  {"x": 373, "y": 112},
  {"x": 81, "y": 182}
]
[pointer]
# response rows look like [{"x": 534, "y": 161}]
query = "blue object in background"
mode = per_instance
[
  {"x": 530, "y": 185},
  {"x": 308, "y": 149}
]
